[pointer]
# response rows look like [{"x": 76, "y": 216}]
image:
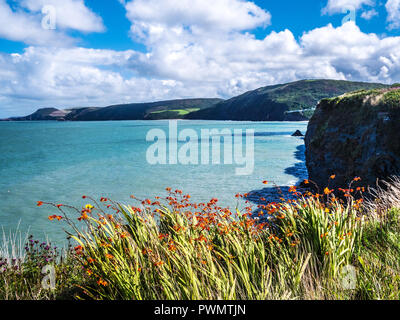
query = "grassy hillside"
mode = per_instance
[
  {"x": 291, "y": 101},
  {"x": 173, "y": 109}
]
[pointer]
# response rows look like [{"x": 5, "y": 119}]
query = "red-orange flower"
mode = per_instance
[
  {"x": 102, "y": 282},
  {"x": 39, "y": 203}
]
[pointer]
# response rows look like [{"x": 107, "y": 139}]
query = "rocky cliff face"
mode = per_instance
[{"x": 355, "y": 135}]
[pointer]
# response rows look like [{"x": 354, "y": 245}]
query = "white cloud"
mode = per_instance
[
  {"x": 153, "y": 16},
  {"x": 369, "y": 14},
  {"x": 340, "y": 6},
  {"x": 24, "y": 23},
  {"x": 24, "y": 27},
  {"x": 204, "y": 56},
  {"x": 393, "y": 10},
  {"x": 70, "y": 14}
]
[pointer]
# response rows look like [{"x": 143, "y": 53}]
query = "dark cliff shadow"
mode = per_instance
[
  {"x": 276, "y": 193},
  {"x": 299, "y": 169}
]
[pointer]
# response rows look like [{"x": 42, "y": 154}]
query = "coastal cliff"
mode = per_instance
[{"x": 355, "y": 135}]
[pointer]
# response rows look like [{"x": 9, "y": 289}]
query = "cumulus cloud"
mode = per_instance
[
  {"x": 211, "y": 15},
  {"x": 340, "y": 6},
  {"x": 25, "y": 22},
  {"x": 21, "y": 26},
  {"x": 393, "y": 10},
  {"x": 204, "y": 56},
  {"x": 70, "y": 14}
]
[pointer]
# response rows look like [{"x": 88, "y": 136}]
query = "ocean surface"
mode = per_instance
[{"x": 61, "y": 161}]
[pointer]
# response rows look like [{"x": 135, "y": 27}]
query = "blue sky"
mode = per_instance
[{"x": 103, "y": 52}]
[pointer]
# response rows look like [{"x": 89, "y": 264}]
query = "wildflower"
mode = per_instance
[
  {"x": 357, "y": 179},
  {"x": 89, "y": 272},
  {"x": 39, "y": 203},
  {"x": 102, "y": 282},
  {"x": 327, "y": 191},
  {"x": 159, "y": 263},
  {"x": 83, "y": 197},
  {"x": 84, "y": 216},
  {"x": 109, "y": 256},
  {"x": 59, "y": 205},
  {"x": 306, "y": 181},
  {"x": 89, "y": 206},
  {"x": 265, "y": 182},
  {"x": 333, "y": 176},
  {"x": 292, "y": 189}
]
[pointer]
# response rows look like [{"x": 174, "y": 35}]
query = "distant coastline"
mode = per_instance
[{"x": 295, "y": 101}]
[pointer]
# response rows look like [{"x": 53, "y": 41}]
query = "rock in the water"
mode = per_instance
[
  {"x": 297, "y": 134},
  {"x": 355, "y": 135}
]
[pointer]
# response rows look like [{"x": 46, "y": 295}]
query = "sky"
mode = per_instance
[{"x": 76, "y": 53}]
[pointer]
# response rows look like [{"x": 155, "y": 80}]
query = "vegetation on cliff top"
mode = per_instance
[
  {"x": 173, "y": 248},
  {"x": 280, "y": 102}
]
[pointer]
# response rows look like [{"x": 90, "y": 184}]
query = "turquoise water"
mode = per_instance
[{"x": 61, "y": 161}]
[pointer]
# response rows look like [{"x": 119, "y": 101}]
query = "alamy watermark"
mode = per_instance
[
  {"x": 49, "y": 280},
  {"x": 350, "y": 12},
  {"x": 202, "y": 150},
  {"x": 49, "y": 20},
  {"x": 348, "y": 276}
]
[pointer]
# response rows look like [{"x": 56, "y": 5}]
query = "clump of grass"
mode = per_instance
[
  {"x": 22, "y": 273},
  {"x": 176, "y": 249},
  {"x": 173, "y": 248}
]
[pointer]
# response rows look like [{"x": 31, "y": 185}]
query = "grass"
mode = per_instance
[
  {"x": 180, "y": 112},
  {"x": 175, "y": 249}
]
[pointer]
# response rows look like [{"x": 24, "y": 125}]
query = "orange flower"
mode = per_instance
[
  {"x": 357, "y": 179},
  {"x": 265, "y": 182},
  {"x": 109, "y": 256},
  {"x": 39, "y": 203},
  {"x": 327, "y": 191},
  {"x": 306, "y": 181},
  {"x": 102, "y": 282},
  {"x": 333, "y": 176},
  {"x": 84, "y": 216}
]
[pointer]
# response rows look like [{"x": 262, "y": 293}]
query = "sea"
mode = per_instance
[{"x": 59, "y": 162}]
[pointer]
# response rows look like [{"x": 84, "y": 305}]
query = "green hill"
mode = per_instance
[
  {"x": 284, "y": 102},
  {"x": 174, "y": 109}
]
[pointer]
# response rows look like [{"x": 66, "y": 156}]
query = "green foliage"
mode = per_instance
[
  {"x": 270, "y": 103},
  {"x": 181, "y": 250},
  {"x": 21, "y": 278}
]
